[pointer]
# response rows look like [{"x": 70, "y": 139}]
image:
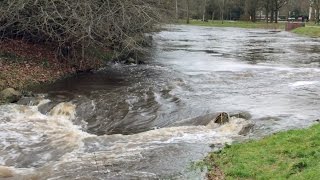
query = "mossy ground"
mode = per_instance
[{"x": 287, "y": 155}]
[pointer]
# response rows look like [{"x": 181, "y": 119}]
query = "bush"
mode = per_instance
[{"x": 73, "y": 26}]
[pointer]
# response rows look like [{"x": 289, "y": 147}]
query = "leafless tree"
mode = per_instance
[
  {"x": 81, "y": 25},
  {"x": 251, "y": 7},
  {"x": 316, "y": 5},
  {"x": 188, "y": 11},
  {"x": 204, "y": 10},
  {"x": 277, "y": 5},
  {"x": 177, "y": 10},
  {"x": 266, "y": 5},
  {"x": 222, "y": 9}
]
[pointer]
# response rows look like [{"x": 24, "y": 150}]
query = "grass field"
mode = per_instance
[
  {"x": 239, "y": 24},
  {"x": 312, "y": 31},
  {"x": 287, "y": 155}
]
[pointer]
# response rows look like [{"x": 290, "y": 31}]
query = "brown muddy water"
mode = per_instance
[{"x": 150, "y": 121}]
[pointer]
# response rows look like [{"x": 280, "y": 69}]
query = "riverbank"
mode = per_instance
[
  {"x": 311, "y": 31},
  {"x": 239, "y": 24},
  {"x": 294, "y": 154},
  {"x": 23, "y": 65}
]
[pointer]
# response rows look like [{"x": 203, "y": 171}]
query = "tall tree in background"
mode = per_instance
[
  {"x": 188, "y": 11},
  {"x": 316, "y": 5},
  {"x": 177, "y": 10},
  {"x": 278, "y": 4},
  {"x": 237, "y": 9},
  {"x": 204, "y": 10},
  {"x": 266, "y": 5},
  {"x": 251, "y": 8},
  {"x": 221, "y": 4}
]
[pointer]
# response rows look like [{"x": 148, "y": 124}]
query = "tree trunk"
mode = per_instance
[
  {"x": 310, "y": 13},
  {"x": 317, "y": 11},
  {"x": 317, "y": 14},
  {"x": 260, "y": 14},
  {"x": 188, "y": 15},
  {"x": 267, "y": 11},
  {"x": 272, "y": 11},
  {"x": 276, "y": 10},
  {"x": 204, "y": 11},
  {"x": 222, "y": 12},
  {"x": 177, "y": 10}
]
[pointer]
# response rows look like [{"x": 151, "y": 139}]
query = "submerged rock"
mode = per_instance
[
  {"x": 222, "y": 118},
  {"x": 242, "y": 115},
  {"x": 10, "y": 95},
  {"x": 131, "y": 61},
  {"x": 197, "y": 121},
  {"x": 238, "y": 126},
  {"x": 232, "y": 125},
  {"x": 47, "y": 107},
  {"x": 64, "y": 109},
  {"x": 28, "y": 94},
  {"x": 29, "y": 101},
  {"x": 246, "y": 128}
]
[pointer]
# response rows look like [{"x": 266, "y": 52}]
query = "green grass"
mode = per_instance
[
  {"x": 288, "y": 155},
  {"x": 239, "y": 24},
  {"x": 312, "y": 31}
]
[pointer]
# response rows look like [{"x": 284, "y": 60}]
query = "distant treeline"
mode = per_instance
[{"x": 268, "y": 10}]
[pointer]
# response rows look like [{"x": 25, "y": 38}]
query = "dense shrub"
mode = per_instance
[{"x": 73, "y": 27}]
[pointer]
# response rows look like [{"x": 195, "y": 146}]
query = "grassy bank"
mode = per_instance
[
  {"x": 239, "y": 24},
  {"x": 312, "y": 31},
  {"x": 287, "y": 155}
]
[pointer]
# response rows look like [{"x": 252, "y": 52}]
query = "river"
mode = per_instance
[{"x": 150, "y": 121}]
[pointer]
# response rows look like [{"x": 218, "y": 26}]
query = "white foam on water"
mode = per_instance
[
  {"x": 25, "y": 131},
  {"x": 109, "y": 150},
  {"x": 66, "y": 110},
  {"x": 303, "y": 83},
  {"x": 25, "y": 128},
  {"x": 13, "y": 173}
]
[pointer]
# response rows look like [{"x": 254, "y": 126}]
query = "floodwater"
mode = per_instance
[{"x": 151, "y": 121}]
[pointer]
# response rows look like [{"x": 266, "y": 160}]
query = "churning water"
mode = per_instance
[{"x": 151, "y": 121}]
